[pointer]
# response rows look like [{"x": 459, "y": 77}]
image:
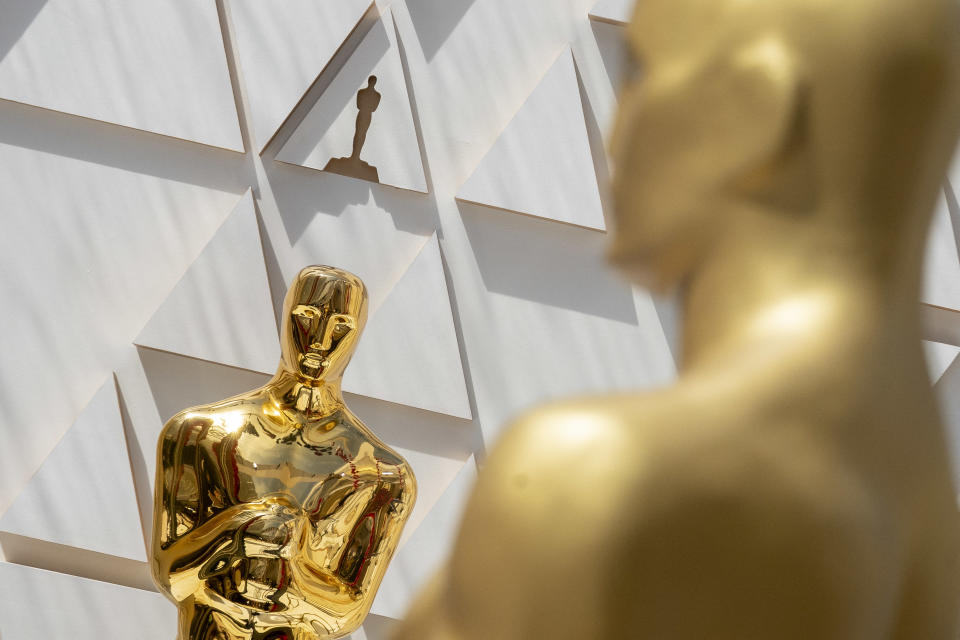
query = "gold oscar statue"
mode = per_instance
[
  {"x": 779, "y": 159},
  {"x": 277, "y": 511}
]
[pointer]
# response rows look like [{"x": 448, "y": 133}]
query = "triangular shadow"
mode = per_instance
[
  {"x": 179, "y": 382},
  {"x": 303, "y": 193},
  {"x": 435, "y": 20},
  {"x": 545, "y": 262},
  {"x": 83, "y": 563}
]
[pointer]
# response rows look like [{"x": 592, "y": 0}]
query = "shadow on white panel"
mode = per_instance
[
  {"x": 131, "y": 150},
  {"x": 283, "y": 46},
  {"x": 310, "y": 204},
  {"x": 375, "y": 628},
  {"x": 614, "y": 11},
  {"x": 106, "y": 242},
  {"x": 222, "y": 310},
  {"x": 614, "y": 58},
  {"x": 435, "y": 21},
  {"x": 38, "y": 604},
  {"x": 83, "y": 495},
  {"x": 557, "y": 265},
  {"x": 939, "y": 358},
  {"x": 541, "y": 164},
  {"x": 178, "y": 382},
  {"x": 159, "y": 67},
  {"x": 82, "y": 563},
  {"x": 409, "y": 353},
  {"x": 942, "y": 278},
  {"x": 948, "y": 393}
]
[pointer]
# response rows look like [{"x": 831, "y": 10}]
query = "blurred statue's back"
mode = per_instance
[{"x": 780, "y": 160}]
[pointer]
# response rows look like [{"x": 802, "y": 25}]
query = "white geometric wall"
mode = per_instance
[{"x": 144, "y": 254}]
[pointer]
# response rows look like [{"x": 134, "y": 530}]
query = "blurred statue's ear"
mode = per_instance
[
  {"x": 775, "y": 108},
  {"x": 748, "y": 107}
]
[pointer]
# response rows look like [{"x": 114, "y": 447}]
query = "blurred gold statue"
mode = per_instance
[
  {"x": 277, "y": 511},
  {"x": 780, "y": 160}
]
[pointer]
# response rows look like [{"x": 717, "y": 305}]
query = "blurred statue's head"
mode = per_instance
[
  {"x": 323, "y": 316},
  {"x": 817, "y": 111}
]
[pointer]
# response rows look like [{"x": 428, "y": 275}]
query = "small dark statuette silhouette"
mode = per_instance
[{"x": 368, "y": 100}]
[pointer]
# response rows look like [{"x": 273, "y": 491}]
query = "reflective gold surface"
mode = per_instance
[
  {"x": 778, "y": 160},
  {"x": 277, "y": 511}
]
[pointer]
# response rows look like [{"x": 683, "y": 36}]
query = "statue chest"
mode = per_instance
[{"x": 249, "y": 466}]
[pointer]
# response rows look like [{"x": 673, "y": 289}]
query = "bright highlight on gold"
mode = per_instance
[
  {"x": 779, "y": 161},
  {"x": 277, "y": 511}
]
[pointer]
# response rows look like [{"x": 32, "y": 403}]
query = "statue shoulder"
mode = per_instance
[
  {"x": 365, "y": 437},
  {"x": 196, "y": 418}
]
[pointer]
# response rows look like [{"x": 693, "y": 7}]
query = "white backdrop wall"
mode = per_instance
[{"x": 145, "y": 254}]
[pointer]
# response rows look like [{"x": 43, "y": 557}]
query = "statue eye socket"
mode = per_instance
[
  {"x": 304, "y": 311},
  {"x": 342, "y": 325}
]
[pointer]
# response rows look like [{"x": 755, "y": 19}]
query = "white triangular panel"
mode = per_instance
[
  {"x": 156, "y": 66},
  {"x": 948, "y": 394},
  {"x": 409, "y": 353},
  {"x": 107, "y": 243},
  {"x": 541, "y": 164},
  {"x": 282, "y": 46},
  {"x": 428, "y": 548},
  {"x": 391, "y": 144},
  {"x": 38, "y": 604},
  {"x": 376, "y": 628},
  {"x": 615, "y": 11},
  {"x": 942, "y": 279},
  {"x": 82, "y": 496},
  {"x": 939, "y": 358},
  {"x": 221, "y": 310},
  {"x": 434, "y": 476}
]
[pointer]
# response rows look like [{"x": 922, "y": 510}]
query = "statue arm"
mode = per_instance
[
  {"x": 181, "y": 537},
  {"x": 375, "y": 528}
]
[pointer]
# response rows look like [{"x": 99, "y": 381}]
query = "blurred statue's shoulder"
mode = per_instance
[{"x": 652, "y": 504}]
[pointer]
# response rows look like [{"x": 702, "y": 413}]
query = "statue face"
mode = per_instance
[
  {"x": 324, "y": 314},
  {"x": 665, "y": 180}
]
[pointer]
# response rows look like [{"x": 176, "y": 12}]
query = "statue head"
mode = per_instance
[
  {"x": 798, "y": 114},
  {"x": 372, "y": 81},
  {"x": 323, "y": 316}
]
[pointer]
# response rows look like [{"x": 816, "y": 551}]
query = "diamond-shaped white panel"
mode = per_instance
[
  {"x": 615, "y": 11},
  {"x": 38, "y": 604},
  {"x": 283, "y": 45},
  {"x": 541, "y": 164},
  {"x": 82, "y": 496},
  {"x": 221, "y": 310},
  {"x": 156, "y": 66},
  {"x": 942, "y": 279},
  {"x": 409, "y": 353}
]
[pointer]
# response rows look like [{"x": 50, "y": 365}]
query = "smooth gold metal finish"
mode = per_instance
[
  {"x": 779, "y": 159},
  {"x": 277, "y": 511}
]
